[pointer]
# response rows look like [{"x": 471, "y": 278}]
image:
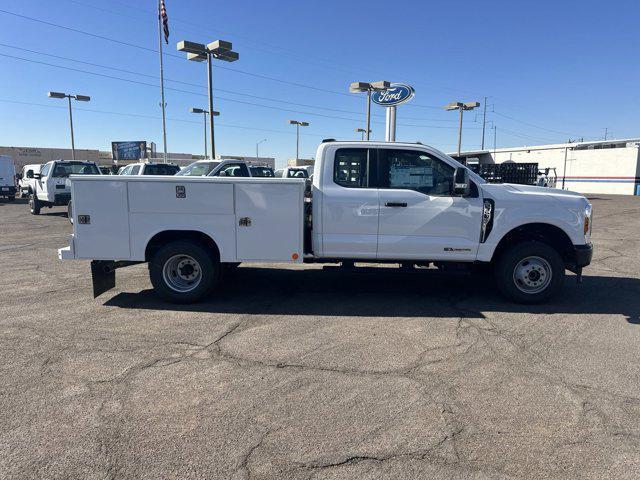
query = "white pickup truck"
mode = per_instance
[{"x": 369, "y": 202}]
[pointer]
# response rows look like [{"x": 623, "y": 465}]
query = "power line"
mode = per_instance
[
  {"x": 146, "y": 75},
  {"x": 534, "y": 126},
  {"x": 137, "y": 82},
  {"x": 140, "y": 47},
  {"x": 140, "y": 115}
]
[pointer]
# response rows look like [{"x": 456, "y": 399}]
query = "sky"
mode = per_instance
[{"x": 551, "y": 71}]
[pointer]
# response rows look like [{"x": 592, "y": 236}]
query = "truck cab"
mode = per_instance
[
  {"x": 403, "y": 203},
  {"x": 50, "y": 187}
]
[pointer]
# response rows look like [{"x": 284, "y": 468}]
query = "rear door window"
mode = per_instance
[{"x": 353, "y": 167}]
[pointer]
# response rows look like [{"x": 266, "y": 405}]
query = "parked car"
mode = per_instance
[
  {"x": 7, "y": 178},
  {"x": 148, "y": 168},
  {"x": 371, "y": 202},
  {"x": 51, "y": 188},
  {"x": 26, "y": 182},
  {"x": 216, "y": 168}
]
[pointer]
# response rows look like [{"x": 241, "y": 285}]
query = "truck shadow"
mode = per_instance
[{"x": 386, "y": 292}]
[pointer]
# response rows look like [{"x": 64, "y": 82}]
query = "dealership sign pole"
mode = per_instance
[{"x": 396, "y": 94}]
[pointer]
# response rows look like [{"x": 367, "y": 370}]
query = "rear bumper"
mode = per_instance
[
  {"x": 67, "y": 253},
  {"x": 583, "y": 254},
  {"x": 61, "y": 199},
  {"x": 7, "y": 191}
]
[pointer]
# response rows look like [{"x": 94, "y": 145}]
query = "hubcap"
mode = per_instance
[
  {"x": 532, "y": 275},
  {"x": 182, "y": 273}
]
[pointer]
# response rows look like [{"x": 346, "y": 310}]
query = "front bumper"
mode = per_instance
[{"x": 583, "y": 254}]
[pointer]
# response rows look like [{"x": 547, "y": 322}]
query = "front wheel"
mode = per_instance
[
  {"x": 184, "y": 272},
  {"x": 34, "y": 205},
  {"x": 529, "y": 272}
]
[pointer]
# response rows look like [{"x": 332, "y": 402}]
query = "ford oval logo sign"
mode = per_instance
[{"x": 397, "y": 94}]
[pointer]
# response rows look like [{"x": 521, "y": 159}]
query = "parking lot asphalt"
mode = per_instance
[{"x": 308, "y": 373}]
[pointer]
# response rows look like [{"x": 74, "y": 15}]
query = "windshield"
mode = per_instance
[
  {"x": 261, "y": 172},
  {"x": 198, "y": 169},
  {"x": 297, "y": 173},
  {"x": 75, "y": 168},
  {"x": 161, "y": 169}
]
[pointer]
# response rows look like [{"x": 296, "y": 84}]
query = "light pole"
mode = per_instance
[
  {"x": 257, "y": 144},
  {"x": 78, "y": 98},
  {"x": 359, "y": 87},
  {"x": 199, "y": 52},
  {"x": 462, "y": 107},
  {"x": 204, "y": 116},
  {"x": 298, "y": 125},
  {"x": 362, "y": 131}
]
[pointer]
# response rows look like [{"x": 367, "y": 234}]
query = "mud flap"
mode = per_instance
[{"x": 103, "y": 276}]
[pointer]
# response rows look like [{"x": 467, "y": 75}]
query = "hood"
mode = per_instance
[{"x": 530, "y": 193}]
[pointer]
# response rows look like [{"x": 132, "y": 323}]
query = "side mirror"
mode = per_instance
[
  {"x": 461, "y": 185},
  {"x": 29, "y": 173},
  {"x": 222, "y": 174}
]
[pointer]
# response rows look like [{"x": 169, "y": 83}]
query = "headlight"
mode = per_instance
[{"x": 587, "y": 218}]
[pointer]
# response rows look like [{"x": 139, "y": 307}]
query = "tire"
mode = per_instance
[
  {"x": 70, "y": 212},
  {"x": 529, "y": 272},
  {"x": 34, "y": 204},
  {"x": 184, "y": 272},
  {"x": 11, "y": 198}
]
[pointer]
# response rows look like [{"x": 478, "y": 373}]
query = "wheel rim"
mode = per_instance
[
  {"x": 532, "y": 275},
  {"x": 182, "y": 273}
]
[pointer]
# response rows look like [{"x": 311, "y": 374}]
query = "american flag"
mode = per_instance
[{"x": 165, "y": 21}]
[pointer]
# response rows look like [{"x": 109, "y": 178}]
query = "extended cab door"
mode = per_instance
[
  {"x": 349, "y": 203},
  {"x": 419, "y": 216}
]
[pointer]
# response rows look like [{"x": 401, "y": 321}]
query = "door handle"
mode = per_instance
[{"x": 395, "y": 204}]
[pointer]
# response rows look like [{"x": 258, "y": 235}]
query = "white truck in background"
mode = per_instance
[
  {"x": 50, "y": 186},
  {"x": 8, "y": 187},
  {"x": 26, "y": 183},
  {"x": 369, "y": 202}
]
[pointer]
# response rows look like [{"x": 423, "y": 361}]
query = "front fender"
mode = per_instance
[{"x": 509, "y": 218}]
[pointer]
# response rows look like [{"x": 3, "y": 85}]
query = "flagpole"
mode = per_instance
[{"x": 164, "y": 118}]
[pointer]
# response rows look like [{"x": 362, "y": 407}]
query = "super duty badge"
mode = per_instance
[{"x": 181, "y": 192}]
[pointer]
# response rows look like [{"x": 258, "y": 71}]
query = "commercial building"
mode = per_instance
[
  {"x": 300, "y": 162},
  {"x": 610, "y": 166},
  {"x": 34, "y": 155}
]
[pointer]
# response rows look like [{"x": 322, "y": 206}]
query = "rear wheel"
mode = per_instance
[
  {"x": 529, "y": 272},
  {"x": 34, "y": 205},
  {"x": 70, "y": 212},
  {"x": 184, "y": 272}
]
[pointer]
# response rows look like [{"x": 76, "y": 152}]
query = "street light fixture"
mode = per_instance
[
  {"x": 461, "y": 107},
  {"x": 360, "y": 87},
  {"x": 78, "y": 98},
  {"x": 204, "y": 116},
  {"x": 298, "y": 125},
  {"x": 257, "y": 144},
  {"x": 362, "y": 131},
  {"x": 198, "y": 52}
]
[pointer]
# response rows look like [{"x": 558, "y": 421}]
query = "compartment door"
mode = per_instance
[
  {"x": 269, "y": 221},
  {"x": 107, "y": 236}
]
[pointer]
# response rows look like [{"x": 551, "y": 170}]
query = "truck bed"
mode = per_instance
[{"x": 249, "y": 219}]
